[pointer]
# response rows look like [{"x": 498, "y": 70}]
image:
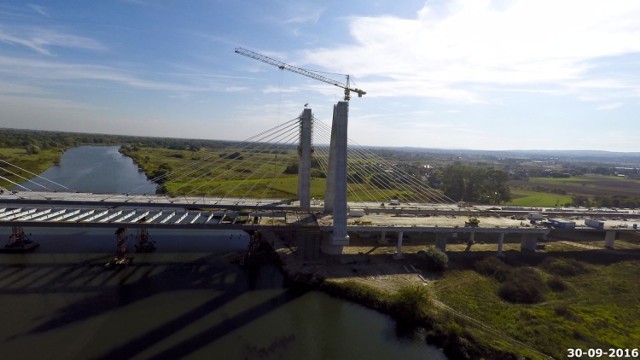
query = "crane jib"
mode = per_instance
[{"x": 308, "y": 73}]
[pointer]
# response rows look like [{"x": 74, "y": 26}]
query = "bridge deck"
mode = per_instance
[{"x": 41, "y": 209}]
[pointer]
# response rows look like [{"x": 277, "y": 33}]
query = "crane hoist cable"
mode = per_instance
[{"x": 305, "y": 72}]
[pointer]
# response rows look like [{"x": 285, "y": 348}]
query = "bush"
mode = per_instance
[
  {"x": 523, "y": 285},
  {"x": 291, "y": 169},
  {"x": 564, "y": 267},
  {"x": 556, "y": 284},
  {"x": 410, "y": 303},
  {"x": 564, "y": 311},
  {"x": 435, "y": 259},
  {"x": 494, "y": 267}
]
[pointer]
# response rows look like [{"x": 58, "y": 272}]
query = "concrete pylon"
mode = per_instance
[
  {"x": 304, "y": 166},
  {"x": 336, "y": 190},
  {"x": 329, "y": 193}
]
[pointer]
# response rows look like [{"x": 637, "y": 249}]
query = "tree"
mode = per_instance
[
  {"x": 291, "y": 169},
  {"x": 357, "y": 177},
  {"x": 32, "y": 149},
  {"x": 475, "y": 184},
  {"x": 580, "y": 200}
]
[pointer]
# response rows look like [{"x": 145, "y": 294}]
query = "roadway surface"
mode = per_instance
[{"x": 45, "y": 209}]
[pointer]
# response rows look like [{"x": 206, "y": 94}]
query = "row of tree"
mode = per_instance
[
  {"x": 475, "y": 184},
  {"x": 618, "y": 201}
]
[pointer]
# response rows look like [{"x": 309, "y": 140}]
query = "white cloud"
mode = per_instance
[
  {"x": 300, "y": 12},
  {"x": 39, "y": 9},
  {"x": 44, "y": 70},
  {"x": 609, "y": 106},
  {"x": 438, "y": 54},
  {"x": 41, "y": 40}
]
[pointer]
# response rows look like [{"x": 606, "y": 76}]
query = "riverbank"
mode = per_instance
[
  {"x": 461, "y": 308},
  {"x": 34, "y": 163}
]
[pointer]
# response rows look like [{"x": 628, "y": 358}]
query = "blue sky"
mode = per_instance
[{"x": 474, "y": 74}]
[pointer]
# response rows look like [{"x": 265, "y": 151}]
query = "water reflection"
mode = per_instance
[{"x": 95, "y": 169}]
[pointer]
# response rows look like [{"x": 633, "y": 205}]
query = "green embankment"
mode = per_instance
[
  {"x": 594, "y": 308},
  {"x": 598, "y": 309},
  {"x": 34, "y": 163}
]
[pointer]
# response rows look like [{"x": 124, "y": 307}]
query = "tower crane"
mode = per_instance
[{"x": 308, "y": 73}]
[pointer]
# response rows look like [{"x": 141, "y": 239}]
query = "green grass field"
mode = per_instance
[
  {"x": 253, "y": 174},
  {"x": 534, "y": 198},
  {"x": 542, "y": 191},
  {"x": 598, "y": 309},
  {"x": 35, "y": 163}
]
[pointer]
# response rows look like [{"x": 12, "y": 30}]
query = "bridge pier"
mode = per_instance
[
  {"x": 398, "y": 255},
  {"x": 471, "y": 241},
  {"x": 500, "y": 243},
  {"x": 441, "y": 242},
  {"x": 383, "y": 238},
  {"x": 19, "y": 241},
  {"x": 610, "y": 239},
  {"x": 528, "y": 243}
]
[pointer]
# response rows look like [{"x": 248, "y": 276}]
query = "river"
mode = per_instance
[{"x": 186, "y": 300}]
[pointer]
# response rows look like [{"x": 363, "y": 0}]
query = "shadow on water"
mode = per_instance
[
  {"x": 151, "y": 279},
  {"x": 56, "y": 273},
  {"x": 204, "y": 337}
]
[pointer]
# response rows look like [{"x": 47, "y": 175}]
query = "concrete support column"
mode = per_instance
[
  {"x": 399, "y": 254},
  {"x": 609, "y": 239},
  {"x": 500, "y": 242},
  {"x": 304, "y": 167},
  {"x": 528, "y": 243},
  {"x": 471, "y": 241},
  {"x": 383, "y": 238},
  {"x": 441, "y": 242},
  {"x": 338, "y": 175},
  {"x": 330, "y": 185}
]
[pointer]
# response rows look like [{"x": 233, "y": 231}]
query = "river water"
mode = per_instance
[
  {"x": 186, "y": 300},
  {"x": 98, "y": 169}
]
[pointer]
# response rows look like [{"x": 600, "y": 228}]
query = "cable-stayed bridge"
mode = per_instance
[{"x": 342, "y": 188}]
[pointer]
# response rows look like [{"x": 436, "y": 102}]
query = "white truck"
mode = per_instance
[
  {"x": 535, "y": 217},
  {"x": 596, "y": 224},
  {"x": 356, "y": 212}
]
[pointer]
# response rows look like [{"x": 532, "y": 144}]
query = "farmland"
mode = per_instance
[{"x": 544, "y": 191}]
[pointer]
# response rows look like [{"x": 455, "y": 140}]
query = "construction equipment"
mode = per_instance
[{"x": 308, "y": 73}]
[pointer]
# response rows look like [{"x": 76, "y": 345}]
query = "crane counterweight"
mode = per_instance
[{"x": 308, "y": 73}]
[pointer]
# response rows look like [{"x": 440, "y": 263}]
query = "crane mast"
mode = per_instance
[{"x": 308, "y": 73}]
